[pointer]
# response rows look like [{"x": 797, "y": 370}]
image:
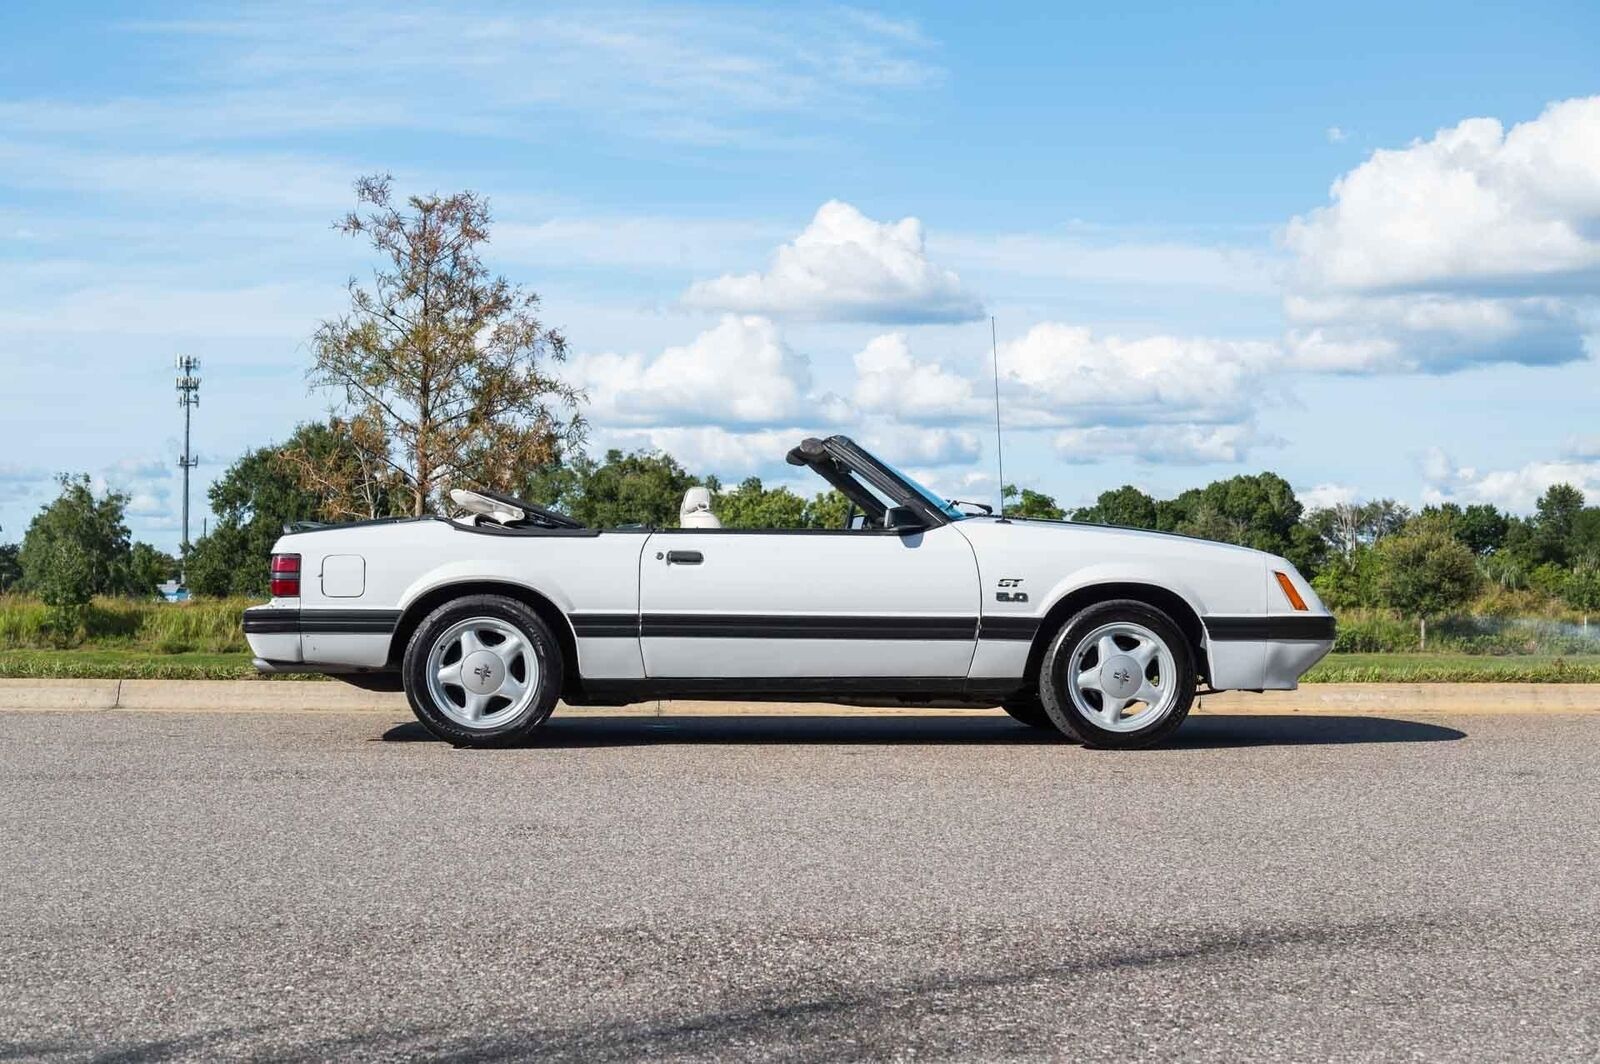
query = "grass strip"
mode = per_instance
[
  {"x": 127, "y": 663},
  {"x": 1453, "y": 668}
]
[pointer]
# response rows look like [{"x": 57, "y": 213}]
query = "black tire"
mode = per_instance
[
  {"x": 1065, "y": 713},
  {"x": 1027, "y": 709},
  {"x": 540, "y": 642}
]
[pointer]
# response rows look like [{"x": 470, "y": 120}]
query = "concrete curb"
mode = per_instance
[{"x": 255, "y": 696}]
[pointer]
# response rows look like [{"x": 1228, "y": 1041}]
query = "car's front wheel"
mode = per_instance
[
  {"x": 483, "y": 670},
  {"x": 1119, "y": 674}
]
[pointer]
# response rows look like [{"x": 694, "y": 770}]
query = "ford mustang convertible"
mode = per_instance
[{"x": 488, "y": 618}]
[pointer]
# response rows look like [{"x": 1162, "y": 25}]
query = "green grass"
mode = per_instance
[
  {"x": 158, "y": 628},
  {"x": 133, "y": 663},
  {"x": 125, "y": 663},
  {"x": 1455, "y": 668}
]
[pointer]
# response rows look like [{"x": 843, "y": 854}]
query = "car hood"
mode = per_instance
[{"x": 1151, "y": 537}]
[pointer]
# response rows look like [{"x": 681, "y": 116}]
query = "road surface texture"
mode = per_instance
[{"x": 315, "y": 886}]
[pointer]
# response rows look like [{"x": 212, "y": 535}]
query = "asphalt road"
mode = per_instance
[{"x": 316, "y": 886}]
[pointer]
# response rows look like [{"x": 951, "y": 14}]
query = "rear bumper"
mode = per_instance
[
  {"x": 334, "y": 639},
  {"x": 273, "y": 633}
]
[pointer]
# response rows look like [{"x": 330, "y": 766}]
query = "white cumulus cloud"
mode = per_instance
[
  {"x": 740, "y": 372},
  {"x": 712, "y": 449},
  {"x": 1479, "y": 245},
  {"x": 890, "y": 381},
  {"x": 907, "y": 445},
  {"x": 1322, "y": 496},
  {"x": 846, "y": 267},
  {"x": 1163, "y": 444},
  {"x": 1516, "y": 489},
  {"x": 1068, "y": 375}
]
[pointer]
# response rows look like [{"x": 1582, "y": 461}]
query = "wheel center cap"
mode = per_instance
[
  {"x": 482, "y": 672},
  {"x": 1121, "y": 676}
]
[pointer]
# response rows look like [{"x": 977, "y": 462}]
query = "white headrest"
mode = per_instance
[
  {"x": 696, "y": 510},
  {"x": 484, "y": 506},
  {"x": 695, "y": 499}
]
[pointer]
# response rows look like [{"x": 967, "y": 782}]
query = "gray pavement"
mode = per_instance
[{"x": 315, "y": 886}]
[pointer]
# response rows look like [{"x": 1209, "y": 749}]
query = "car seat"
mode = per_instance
[{"x": 696, "y": 510}]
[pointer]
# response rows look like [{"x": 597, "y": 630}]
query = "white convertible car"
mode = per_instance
[{"x": 489, "y": 618}]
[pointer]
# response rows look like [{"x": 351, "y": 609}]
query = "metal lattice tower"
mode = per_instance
[{"x": 188, "y": 398}]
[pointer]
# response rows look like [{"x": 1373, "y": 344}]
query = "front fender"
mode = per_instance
[{"x": 1123, "y": 573}]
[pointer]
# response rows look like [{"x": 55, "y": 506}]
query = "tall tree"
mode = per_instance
[
  {"x": 443, "y": 370},
  {"x": 1258, "y": 511},
  {"x": 752, "y": 505},
  {"x": 828, "y": 509},
  {"x": 1348, "y": 526},
  {"x": 78, "y": 541},
  {"x": 639, "y": 488},
  {"x": 1426, "y": 573},
  {"x": 1482, "y": 528},
  {"x": 316, "y": 474},
  {"x": 1126, "y": 506},
  {"x": 1554, "y": 522},
  {"x": 337, "y": 465},
  {"x": 10, "y": 567},
  {"x": 1581, "y": 590},
  {"x": 149, "y": 568},
  {"x": 1029, "y": 503}
]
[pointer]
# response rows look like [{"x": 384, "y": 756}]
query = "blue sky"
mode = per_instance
[{"x": 1362, "y": 251}]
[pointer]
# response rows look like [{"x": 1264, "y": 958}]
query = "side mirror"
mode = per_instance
[{"x": 903, "y": 517}]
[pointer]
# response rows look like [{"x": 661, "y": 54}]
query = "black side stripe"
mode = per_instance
[
  {"x": 782, "y": 626},
  {"x": 321, "y": 622},
  {"x": 789, "y": 626},
  {"x": 1261, "y": 629},
  {"x": 271, "y": 622},
  {"x": 1009, "y": 629},
  {"x": 603, "y": 625}
]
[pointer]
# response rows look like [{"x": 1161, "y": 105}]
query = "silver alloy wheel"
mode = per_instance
[
  {"x": 482, "y": 672},
  {"x": 1120, "y": 667}
]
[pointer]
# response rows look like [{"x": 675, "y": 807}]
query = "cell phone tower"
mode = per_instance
[{"x": 188, "y": 398}]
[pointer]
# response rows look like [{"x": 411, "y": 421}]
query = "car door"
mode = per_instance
[{"x": 808, "y": 604}]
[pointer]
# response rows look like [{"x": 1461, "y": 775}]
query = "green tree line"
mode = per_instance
[{"x": 1375, "y": 555}]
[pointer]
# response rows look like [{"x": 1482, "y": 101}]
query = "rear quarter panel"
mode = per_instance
[{"x": 403, "y": 562}]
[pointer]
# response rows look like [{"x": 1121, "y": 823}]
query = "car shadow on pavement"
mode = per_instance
[{"x": 576, "y": 730}]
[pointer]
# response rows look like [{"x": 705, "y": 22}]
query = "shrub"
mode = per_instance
[
  {"x": 210, "y": 625},
  {"x": 1373, "y": 632}
]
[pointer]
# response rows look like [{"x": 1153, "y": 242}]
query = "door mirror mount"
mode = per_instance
[{"x": 903, "y": 518}]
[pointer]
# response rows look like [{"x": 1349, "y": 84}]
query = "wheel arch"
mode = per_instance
[
  {"x": 1166, "y": 600},
  {"x": 411, "y": 617}
]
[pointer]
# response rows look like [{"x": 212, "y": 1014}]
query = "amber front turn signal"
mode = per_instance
[{"x": 1289, "y": 591}]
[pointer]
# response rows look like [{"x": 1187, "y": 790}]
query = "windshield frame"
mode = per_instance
[
  {"x": 899, "y": 487},
  {"x": 945, "y": 506}
]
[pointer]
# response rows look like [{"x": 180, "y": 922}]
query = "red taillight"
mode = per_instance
[{"x": 285, "y": 576}]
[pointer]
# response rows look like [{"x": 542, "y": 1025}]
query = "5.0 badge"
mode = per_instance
[{"x": 1010, "y": 596}]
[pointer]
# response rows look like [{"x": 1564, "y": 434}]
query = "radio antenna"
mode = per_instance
[{"x": 999, "y": 451}]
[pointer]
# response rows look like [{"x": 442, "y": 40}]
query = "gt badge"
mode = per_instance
[{"x": 1011, "y": 596}]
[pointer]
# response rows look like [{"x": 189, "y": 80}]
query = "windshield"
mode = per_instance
[{"x": 944, "y": 506}]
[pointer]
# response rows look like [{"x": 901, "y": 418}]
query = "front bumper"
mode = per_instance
[{"x": 1266, "y": 652}]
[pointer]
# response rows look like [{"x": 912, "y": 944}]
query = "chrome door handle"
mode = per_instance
[{"x": 684, "y": 557}]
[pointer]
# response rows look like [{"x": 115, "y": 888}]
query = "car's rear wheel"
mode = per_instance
[
  {"x": 483, "y": 670},
  {"x": 1119, "y": 674}
]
